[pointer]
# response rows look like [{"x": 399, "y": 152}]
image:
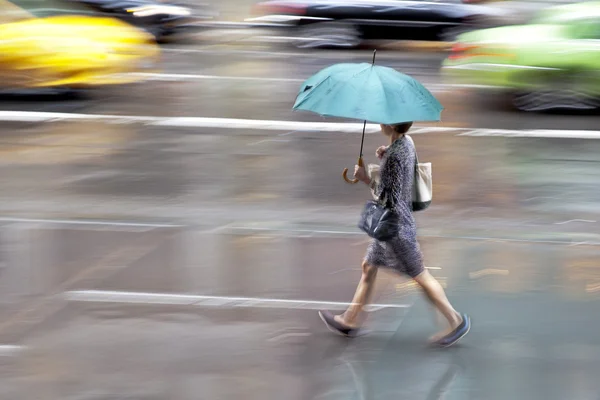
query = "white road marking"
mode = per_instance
[
  {"x": 167, "y": 77},
  {"x": 488, "y": 272},
  {"x": 592, "y": 288},
  {"x": 335, "y": 393},
  {"x": 574, "y": 220},
  {"x": 344, "y": 270},
  {"x": 102, "y": 296},
  {"x": 542, "y": 198},
  {"x": 289, "y": 335},
  {"x": 217, "y": 48},
  {"x": 317, "y": 232},
  {"x": 297, "y": 231},
  {"x": 233, "y": 123},
  {"x": 88, "y": 222},
  {"x": 221, "y": 49},
  {"x": 40, "y": 116},
  {"x": 268, "y": 140},
  {"x": 192, "y": 122},
  {"x": 191, "y": 77},
  {"x": 576, "y": 244},
  {"x": 8, "y": 350},
  {"x": 229, "y": 228},
  {"x": 282, "y": 125},
  {"x": 286, "y": 330},
  {"x": 534, "y": 133}
]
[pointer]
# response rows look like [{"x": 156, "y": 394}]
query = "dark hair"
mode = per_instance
[{"x": 403, "y": 127}]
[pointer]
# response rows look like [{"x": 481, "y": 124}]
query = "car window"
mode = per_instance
[
  {"x": 587, "y": 29},
  {"x": 11, "y": 13},
  {"x": 51, "y": 8},
  {"x": 547, "y": 16},
  {"x": 568, "y": 14}
]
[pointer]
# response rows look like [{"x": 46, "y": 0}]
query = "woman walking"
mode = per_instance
[{"x": 402, "y": 253}]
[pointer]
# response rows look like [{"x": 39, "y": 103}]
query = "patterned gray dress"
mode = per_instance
[{"x": 402, "y": 253}]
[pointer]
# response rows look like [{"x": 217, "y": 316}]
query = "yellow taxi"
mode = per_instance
[{"x": 53, "y": 44}]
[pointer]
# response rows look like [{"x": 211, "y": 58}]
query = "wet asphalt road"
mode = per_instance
[
  {"x": 202, "y": 80},
  {"x": 93, "y": 211}
]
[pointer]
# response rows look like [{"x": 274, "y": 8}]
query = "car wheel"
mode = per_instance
[
  {"x": 450, "y": 34},
  {"x": 166, "y": 39},
  {"x": 327, "y": 35},
  {"x": 69, "y": 92},
  {"x": 155, "y": 31},
  {"x": 547, "y": 100}
]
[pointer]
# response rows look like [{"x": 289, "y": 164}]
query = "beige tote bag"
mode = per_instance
[{"x": 422, "y": 193}]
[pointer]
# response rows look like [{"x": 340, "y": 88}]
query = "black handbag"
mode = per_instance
[{"x": 379, "y": 221}]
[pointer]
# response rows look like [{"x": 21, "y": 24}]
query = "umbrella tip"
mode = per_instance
[{"x": 374, "y": 54}]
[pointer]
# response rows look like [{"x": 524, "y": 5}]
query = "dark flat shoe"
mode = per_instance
[
  {"x": 453, "y": 337},
  {"x": 336, "y": 327}
]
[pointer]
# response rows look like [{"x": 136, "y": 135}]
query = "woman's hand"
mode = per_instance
[
  {"x": 361, "y": 174},
  {"x": 381, "y": 152}
]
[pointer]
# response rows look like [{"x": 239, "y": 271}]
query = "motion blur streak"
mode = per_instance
[
  {"x": 63, "y": 50},
  {"x": 169, "y": 226}
]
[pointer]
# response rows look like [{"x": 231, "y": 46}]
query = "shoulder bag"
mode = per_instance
[{"x": 378, "y": 219}]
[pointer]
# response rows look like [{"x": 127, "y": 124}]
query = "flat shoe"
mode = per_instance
[
  {"x": 335, "y": 327},
  {"x": 453, "y": 337}
]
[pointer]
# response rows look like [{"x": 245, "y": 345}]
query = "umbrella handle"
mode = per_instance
[{"x": 345, "y": 173}]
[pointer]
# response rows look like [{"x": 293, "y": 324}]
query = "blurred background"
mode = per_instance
[{"x": 169, "y": 227}]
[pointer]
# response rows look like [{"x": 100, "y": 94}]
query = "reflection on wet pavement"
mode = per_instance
[
  {"x": 536, "y": 189},
  {"x": 97, "y": 348},
  {"x": 154, "y": 262}
]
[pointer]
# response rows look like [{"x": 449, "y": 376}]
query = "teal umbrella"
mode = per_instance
[{"x": 367, "y": 92}]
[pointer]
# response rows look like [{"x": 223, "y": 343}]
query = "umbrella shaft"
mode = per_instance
[{"x": 362, "y": 140}]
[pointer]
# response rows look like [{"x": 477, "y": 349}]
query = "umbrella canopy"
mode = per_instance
[{"x": 367, "y": 92}]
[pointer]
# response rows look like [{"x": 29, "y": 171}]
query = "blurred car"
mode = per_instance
[
  {"x": 56, "y": 47},
  {"x": 162, "y": 19},
  {"x": 338, "y": 23},
  {"x": 552, "y": 62},
  {"x": 522, "y": 11}
]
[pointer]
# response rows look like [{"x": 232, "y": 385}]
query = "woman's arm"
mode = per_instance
[
  {"x": 361, "y": 174},
  {"x": 367, "y": 178}
]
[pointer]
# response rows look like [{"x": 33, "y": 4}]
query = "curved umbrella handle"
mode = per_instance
[{"x": 345, "y": 173}]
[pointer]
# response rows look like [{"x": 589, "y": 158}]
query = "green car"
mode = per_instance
[{"x": 552, "y": 62}]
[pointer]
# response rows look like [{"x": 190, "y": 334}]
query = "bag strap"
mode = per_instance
[
  {"x": 382, "y": 197},
  {"x": 414, "y": 147}
]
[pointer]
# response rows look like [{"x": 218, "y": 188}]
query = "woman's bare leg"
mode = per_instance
[
  {"x": 362, "y": 296},
  {"x": 435, "y": 293}
]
